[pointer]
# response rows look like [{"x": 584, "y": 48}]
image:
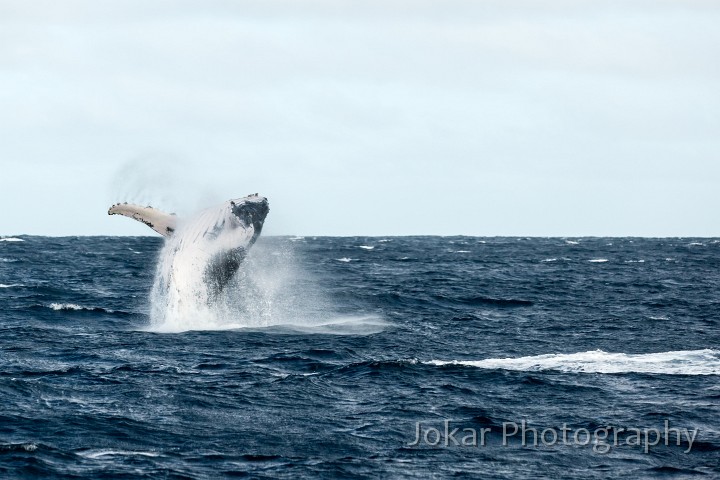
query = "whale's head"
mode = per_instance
[
  {"x": 250, "y": 211},
  {"x": 228, "y": 235}
]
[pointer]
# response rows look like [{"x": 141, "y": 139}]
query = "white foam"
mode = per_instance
[
  {"x": 106, "y": 453},
  {"x": 696, "y": 244},
  {"x": 547, "y": 260},
  {"x": 462, "y": 251},
  {"x": 598, "y": 260},
  {"x": 12, "y": 285},
  {"x": 571, "y": 242},
  {"x": 684, "y": 362},
  {"x": 634, "y": 261},
  {"x": 344, "y": 259},
  {"x": 367, "y": 247},
  {"x": 28, "y": 447},
  {"x": 66, "y": 306},
  {"x": 11, "y": 239},
  {"x": 71, "y": 307}
]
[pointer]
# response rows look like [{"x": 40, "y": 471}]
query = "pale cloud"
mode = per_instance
[{"x": 392, "y": 117}]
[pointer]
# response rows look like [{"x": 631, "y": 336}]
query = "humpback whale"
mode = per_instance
[{"x": 201, "y": 253}]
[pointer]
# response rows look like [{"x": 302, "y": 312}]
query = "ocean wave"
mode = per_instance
[
  {"x": 12, "y": 285},
  {"x": 106, "y": 453},
  {"x": 15, "y": 447},
  {"x": 11, "y": 239},
  {"x": 684, "y": 362},
  {"x": 344, "y": 259},
  {"x": 73, "y": 307},
  {"x": 503, "y": 302},
  {"x": 598, "y": 260},
  {"x": 366, "y": 247}
]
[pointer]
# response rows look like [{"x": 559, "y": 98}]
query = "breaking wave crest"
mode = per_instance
[
  {"x": 72, "y": 307},
  {"x": 686, "y": 362}
]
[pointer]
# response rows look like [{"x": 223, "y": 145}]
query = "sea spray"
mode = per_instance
[{"x": 270, "y": 289}]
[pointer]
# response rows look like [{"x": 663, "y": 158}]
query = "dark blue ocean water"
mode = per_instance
[{"x": 482, "y": 333}]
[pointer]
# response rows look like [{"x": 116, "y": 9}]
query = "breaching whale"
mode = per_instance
[{"x": 201, "y": 253}]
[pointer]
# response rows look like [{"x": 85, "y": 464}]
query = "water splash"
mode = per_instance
[
  {"x": 165, "y": 181},
  {"x": 270, "y": 292}
]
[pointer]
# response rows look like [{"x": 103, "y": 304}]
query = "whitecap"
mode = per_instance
[
  {"x": 344, "y": 259},
  {"x": 598, "y": 260},
  {"x": 12, "y": 285},
  {"x": 11, "y": 239},
  {"x": 106, "y": 453},
  {"x": 572, "y": 242},
  {"x": 684, "y": 362},
  {"x": 75, "y": 307},
  {"x": 28, "y": 447},
  {"x": 462, "y": 251},
  {"x": 384, "y": 240},
  {"x": 696, "y": 244},
  {"x": 634, "y": 261},
  {"x": 549, "y": 260},
  {"x": 367, "y": 247},
  {"x": 66, "y": 306}
]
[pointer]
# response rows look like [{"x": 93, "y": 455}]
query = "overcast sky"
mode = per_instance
[{"x": 381, "y": 117}]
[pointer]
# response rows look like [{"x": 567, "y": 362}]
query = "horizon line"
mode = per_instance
[{"x": 389, "y": 236}]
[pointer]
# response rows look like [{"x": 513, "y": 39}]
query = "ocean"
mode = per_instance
[{"x": 365, "y": 357}]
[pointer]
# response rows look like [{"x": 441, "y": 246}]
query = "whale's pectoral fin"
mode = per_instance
[{"x": 161, "y": 222}]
